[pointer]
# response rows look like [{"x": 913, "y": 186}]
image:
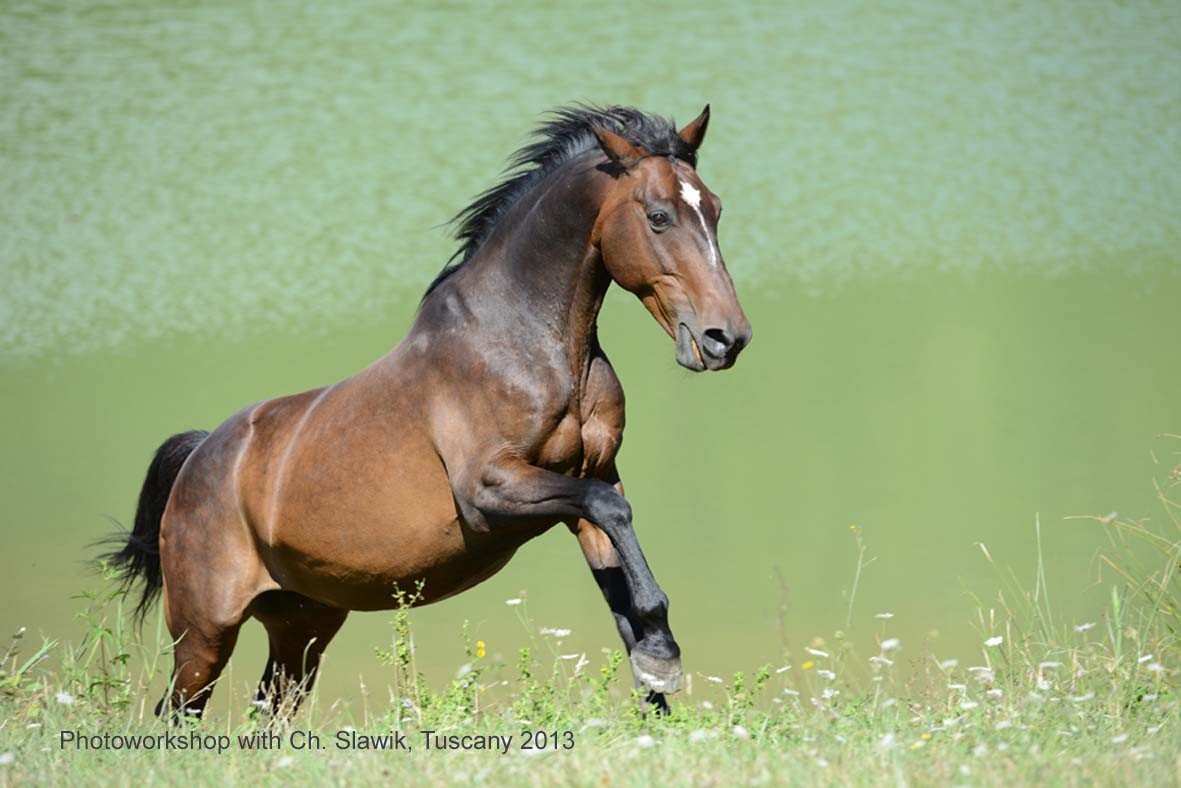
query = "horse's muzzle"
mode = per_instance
[{"x": 713, "y": 349}]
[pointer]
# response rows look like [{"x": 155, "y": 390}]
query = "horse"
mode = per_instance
[{"x": 496, "y": 417}]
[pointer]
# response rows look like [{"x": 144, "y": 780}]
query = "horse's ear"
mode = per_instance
[
  {"x": 694, "y": 132},
  {"x": 617, "y": 148}
]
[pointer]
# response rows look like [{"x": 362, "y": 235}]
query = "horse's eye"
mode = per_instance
[{"x": 659, "y": 220}]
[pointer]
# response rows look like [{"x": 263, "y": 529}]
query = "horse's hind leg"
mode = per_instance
[
  {"x": 299, "y": 629},
  {"x": 205, "y": 635},
  {"x": 212, "y": 573}
]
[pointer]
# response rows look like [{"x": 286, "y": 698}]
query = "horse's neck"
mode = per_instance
[{"x": 542, "y": 272}]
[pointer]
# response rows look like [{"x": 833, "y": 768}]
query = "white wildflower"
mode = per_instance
[
  {"x": 646, "y": 741},
  {"x": 1084, "y": 627},
  {"x": 816, "y": 652},
  {"x": 829, "y": 693},
  {"x": 948, "y": 664},
  {"x": 1123, "y": 737},
  {"x": 783, "y": 669},
  {"x": 705, "y": 704},
  {"x": 960, "y": 687},
  {"x": 996, "y": 640},
  {"x": 714, "y": 679},
  {"x": 1156, "y": 667},
  {"x": 6, "y": 758},
  {"x": 883, "y": 615},
  {"x": 569, "y": 656},
  {"x": 284, "y": 762},
  {"x": 1145, "y": 658},
  {"x": 881, "y": 660},
  {"x": 1004, "y": 724},
  {"x": 891, "y": 644},
  {"x": 968, "y": 705},
  {"x": 514, "y": 601},
  {"x": 828, "y": 674},
  {"x": 65, "y": 698},
  {"x": 741, "y": 732},
  {"x": 888, "y": 741},
  {"x": 995, "y": 693},
  {"x": 558, "y": 633},
  {"x": 980, "y": 750},
  {"x": 790, "y": 691}
]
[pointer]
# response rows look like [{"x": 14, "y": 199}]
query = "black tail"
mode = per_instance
[{"x": 139, "y": 554}]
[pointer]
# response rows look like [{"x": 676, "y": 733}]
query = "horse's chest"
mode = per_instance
[
  {"x": 562, "y": 447},
  {"x": 584, "y": 446}
]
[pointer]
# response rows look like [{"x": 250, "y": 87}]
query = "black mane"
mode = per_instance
[{"x": 567, "y": 132}]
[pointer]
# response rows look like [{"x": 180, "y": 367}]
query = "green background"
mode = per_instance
[{"x": 954, "y": 226}]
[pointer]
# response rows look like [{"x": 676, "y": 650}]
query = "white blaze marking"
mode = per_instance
[{"x": 692, "y": 197}]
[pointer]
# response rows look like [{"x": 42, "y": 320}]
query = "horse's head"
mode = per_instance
[{"x": 657, "y": 232}]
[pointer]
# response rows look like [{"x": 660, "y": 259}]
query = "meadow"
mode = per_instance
[{"x": 1044, "y": 701}]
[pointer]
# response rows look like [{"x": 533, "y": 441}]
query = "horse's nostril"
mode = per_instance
[{"x": 716, "y": 342}]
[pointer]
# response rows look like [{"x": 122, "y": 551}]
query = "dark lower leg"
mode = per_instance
[
  {"x": 298, "y": 630},
  {"x": 653, "y": 652}
]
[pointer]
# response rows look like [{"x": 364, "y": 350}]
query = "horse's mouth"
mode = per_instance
[{"x": 688, "y": 352}]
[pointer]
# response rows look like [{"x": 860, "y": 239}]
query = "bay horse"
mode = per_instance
[{"x": 497, "y": 417}]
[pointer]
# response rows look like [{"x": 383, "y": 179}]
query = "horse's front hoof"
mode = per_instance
[{"x": 657, "y": 674}]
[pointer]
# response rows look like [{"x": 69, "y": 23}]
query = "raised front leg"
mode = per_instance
[{"x": 514, "y": 491}]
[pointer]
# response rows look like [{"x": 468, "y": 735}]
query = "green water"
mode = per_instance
[{"x": 955, "y": 231}]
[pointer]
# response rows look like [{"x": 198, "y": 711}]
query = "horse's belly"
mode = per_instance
[
  {"x": 370, "y": 568},
  {"x": 357, "y": 544}
]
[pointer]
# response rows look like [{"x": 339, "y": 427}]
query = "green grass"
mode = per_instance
[{"x": 1044, "y": 703}]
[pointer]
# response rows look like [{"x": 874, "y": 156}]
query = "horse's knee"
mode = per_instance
[{"x": 606, "y": 508}]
